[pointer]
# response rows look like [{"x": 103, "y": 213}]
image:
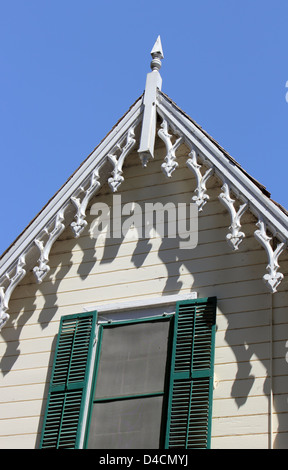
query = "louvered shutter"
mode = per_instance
[
  {"x": 191, "y": 379},
  {"x": 66, "y": 397}
]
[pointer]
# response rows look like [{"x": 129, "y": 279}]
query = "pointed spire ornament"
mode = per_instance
[
  {"x": 153, "y": 83},
  {"x": 157, "y": 55}
]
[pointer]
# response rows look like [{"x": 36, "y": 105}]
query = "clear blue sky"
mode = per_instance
[{"x": 70, "y": 69}]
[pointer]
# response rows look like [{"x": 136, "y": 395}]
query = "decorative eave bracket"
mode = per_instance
[
  {"x": 273, "y": 278},
  {"x": 13, "y": 278},
  {"x": 235, "y": 236}
]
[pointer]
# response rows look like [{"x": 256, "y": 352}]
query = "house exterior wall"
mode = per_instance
[{"x": 249, "y": 409}]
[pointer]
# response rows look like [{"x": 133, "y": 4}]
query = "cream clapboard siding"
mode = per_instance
[{"x": 82, "y": 276}]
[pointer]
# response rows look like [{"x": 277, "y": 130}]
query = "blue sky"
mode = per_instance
[{"x": 70, "y": 69}]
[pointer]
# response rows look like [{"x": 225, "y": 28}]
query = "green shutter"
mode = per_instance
[
  {"x": 66, "y": 397},
  {"x": 191, "y": 379}
]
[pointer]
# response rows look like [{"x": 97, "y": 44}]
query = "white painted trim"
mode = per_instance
[
  {"x": 153, "y": 82},
  {"x": 89, "y": 387},
  {"x": 55, "y": 213},
  {"x": 258, "y": 202},
  {"x": 141, "y": 304},
  {"x": 94, "y": 161}
]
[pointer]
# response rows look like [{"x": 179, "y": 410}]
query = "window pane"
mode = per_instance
[
  {"x": 133, "y": 359},
  {"x": 126, "y": 424}
]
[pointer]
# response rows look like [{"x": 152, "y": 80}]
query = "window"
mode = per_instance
[
  {"x": 145, "y": 382},
  {"x": 130, "y": 382}
]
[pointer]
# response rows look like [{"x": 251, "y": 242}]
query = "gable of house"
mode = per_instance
[{"x": 241, "y": 239}]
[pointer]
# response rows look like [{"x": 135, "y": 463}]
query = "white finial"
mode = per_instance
[
  {"x": 153, "y": 83},
  {"x": 157, "y": 55}
]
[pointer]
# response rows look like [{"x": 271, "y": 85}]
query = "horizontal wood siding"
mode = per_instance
[{"x": 86, "y": 272}]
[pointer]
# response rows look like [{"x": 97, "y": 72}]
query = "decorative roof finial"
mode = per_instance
[
  {"x": 157, "y": 55},
  {"x": 153, "y": 84}
]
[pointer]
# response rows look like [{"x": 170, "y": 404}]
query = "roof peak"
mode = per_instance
[{"x": 153, "y": 83}]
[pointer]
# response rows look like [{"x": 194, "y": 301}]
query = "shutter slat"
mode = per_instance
[
  {"x": 67, "y": 389},
  {"x": 189, "y": 407}
]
